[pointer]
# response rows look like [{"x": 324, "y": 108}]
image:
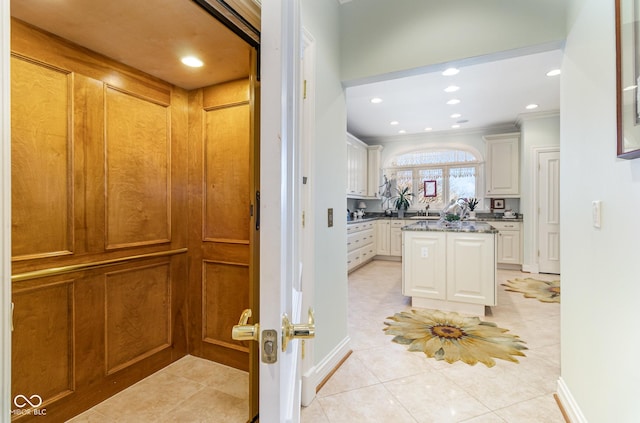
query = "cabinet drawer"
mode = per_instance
[
  {"x": 505, "y": 226},
  {"x": 353, "y": 259},
  {"x": 397, "y": 223}
]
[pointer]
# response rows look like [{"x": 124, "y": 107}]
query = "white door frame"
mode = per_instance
[
  {"x": 5, "y": 211},
  {"x": 280, "y": 181},
  {"x": 535, "y": 221}
]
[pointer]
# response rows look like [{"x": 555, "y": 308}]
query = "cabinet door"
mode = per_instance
[
  {"x": 383, "y": 233},
  {"x": 503, "y": 166},
  {"x": 509, "y": 247},
  {"x": 351, "y": 168},
  {"x": 361, "y": 170},
  {"x": 424, "y": 265},
  {"x": 396, "y": 237},
  {"x": 471, "y": 268}
]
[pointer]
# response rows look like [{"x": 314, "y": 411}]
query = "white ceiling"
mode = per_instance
[
  {"x": 491, "y": 94},
  {"x": 150, "y": 36}
]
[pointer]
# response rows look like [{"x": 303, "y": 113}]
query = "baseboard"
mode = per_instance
[
  {"x": 568, "y": 403},
  {"x": 317, "y": 375},
  {"x": 530, "y": 268}
]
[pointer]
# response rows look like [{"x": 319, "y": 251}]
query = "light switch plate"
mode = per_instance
[{"x": 596, "y": 210}]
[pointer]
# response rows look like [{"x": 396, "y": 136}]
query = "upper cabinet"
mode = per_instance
[
  {"x": 363, "y": 168},
  {"x": 503, "y": 165}
]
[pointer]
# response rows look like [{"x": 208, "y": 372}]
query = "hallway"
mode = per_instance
[{"x": 382, "y": 382}]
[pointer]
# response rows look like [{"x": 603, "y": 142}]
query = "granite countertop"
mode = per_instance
[
  {"x": 485, "y": 217},
  {"x": 464, "y": 226}
]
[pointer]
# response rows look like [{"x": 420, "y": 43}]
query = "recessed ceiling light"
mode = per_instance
[
  {"x": 450, "y": 72},
  {"x": 453, "y": 101},
  {"x": 402, "y": 131},
  {"x": 394, "y": 122},
  {"x": 376, "y": 100},
  {"x": 428, "y": 129},
  {"x": 192, "y": 61},
  {"x": 456, "y": 126},
  {"x": 531, "y": 106},
  {"x": 451, "y": 89},
  {"x": 554, "y": 72},
  {"x": 455, "y": 115}
]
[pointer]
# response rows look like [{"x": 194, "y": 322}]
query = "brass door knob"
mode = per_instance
[
  {"x": 244, "y": 332},
  {"x": 292, "y": 331}
]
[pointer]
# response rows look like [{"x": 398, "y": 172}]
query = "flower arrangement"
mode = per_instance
[{"x": 472, "y": 203}]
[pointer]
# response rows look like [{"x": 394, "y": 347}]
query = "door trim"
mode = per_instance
[{"x": 5, "y": 210}]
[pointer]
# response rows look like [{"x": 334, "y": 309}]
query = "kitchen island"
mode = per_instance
[{"x": 450, "y": 267}]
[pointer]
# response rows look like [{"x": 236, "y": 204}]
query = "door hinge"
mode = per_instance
[
  {"x": 304, "y": 90},
  {"x": 538, "y": 253},
  {"x": 303, "y": 218}
]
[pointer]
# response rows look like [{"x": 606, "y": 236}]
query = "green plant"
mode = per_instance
[
  {"x": 403, "y": 200},
  {"x": 450, "y": 217},
  {"x": 472, "y": 203}
]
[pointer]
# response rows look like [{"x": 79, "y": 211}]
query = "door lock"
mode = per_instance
[
  {"x": 244, "y": 332},
  {"x": 292, "y": 331}
]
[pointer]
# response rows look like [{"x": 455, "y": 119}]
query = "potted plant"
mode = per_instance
[
  {"x": 402, "y": 201},
  {"x": 472, "y": 203}
]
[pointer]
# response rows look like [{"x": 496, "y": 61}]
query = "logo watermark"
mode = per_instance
[{"x": 28, "y": 405}]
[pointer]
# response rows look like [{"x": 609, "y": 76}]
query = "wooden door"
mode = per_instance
[
  {"x": 549, "y": 212},
  {"x": 98, "y": 224},
  {"x": 222, "y": 212}
]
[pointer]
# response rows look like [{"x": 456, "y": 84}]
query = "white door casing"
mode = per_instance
[
  {"x": 548, "y": 198},
  {"x": 280, "y": 207},
  {"x": 5, "y": 213}
]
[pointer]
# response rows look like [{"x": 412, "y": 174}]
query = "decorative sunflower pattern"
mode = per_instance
[
  {"x": 452, "y": 337},
  {"x": 547, "y": 292}
]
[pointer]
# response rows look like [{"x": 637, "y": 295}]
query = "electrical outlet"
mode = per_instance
[{"x": 330, "y": 217}]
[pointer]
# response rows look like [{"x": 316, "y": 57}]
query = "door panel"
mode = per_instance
[
  {"x": 220, "y": 179},
  {"x": 549, "y": 216}
]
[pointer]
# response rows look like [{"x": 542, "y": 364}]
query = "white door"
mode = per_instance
[
  {"x": 549, "y": 212},
  {"x": 280, "y": 208}
]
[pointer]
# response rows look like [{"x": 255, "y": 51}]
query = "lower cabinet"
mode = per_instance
[
  {"x": 509, "y": 242},
  {"x": 452, "y": 271},
  {"x": 396, "y": 237},
  {"x": 361, "y": 243},
  {"x": 383, "y": 237}
]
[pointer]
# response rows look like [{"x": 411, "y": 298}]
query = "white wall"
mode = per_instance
[
  {"x": 320, "y": 19},
  {"x": 409, "y": 34},
  {"x": 600, "y": 273},
  {"x": 537, "y": 130}
]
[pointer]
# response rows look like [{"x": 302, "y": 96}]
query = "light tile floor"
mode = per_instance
[{"x": 381, "y": 381}]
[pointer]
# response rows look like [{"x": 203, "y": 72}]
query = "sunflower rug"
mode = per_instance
[
  {"x": 545, "y": 291},
  {"x": 452, "y": 337}
]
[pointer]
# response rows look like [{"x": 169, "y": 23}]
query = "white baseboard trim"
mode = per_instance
[
  {"x": 314, "y": 376},
  {"x": 569, "y": 403},
  {"x": 530, "y": 268}
]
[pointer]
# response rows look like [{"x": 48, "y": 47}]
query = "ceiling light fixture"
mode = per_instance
[
  {"x": 376, "y": 100},
  {"x": 402, "y": 131},
  {"x": 531, "y": 106},
  {"x": 394, "y": 122},
  {"x": 453, "y": 101},
  {"x": 451, "y": 89},
  {"x": 428, "y": 128},
  {"x": 192, "y": 61},
  {"x": 554, "y": 72},
  {"x": 450, "y": 72},
  {"x": 455, "y": 115},
  {"x": 456, "y": 126}
]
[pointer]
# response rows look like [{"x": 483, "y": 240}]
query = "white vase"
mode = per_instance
[
  {"x": 400, "y": 213},
  {"x": 472, "y": 215}
]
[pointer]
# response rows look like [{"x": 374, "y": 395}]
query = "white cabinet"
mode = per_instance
[
  {"x": 452, "y": 271},
  {"x": 361, "y": 243},
  {"x": 502, "y": 165},
  {"x": 396, "y": 237},
  {"x": 363, "y": 169},
  {"x": 383, "y": 237},
  {"x": 509, "y": 242}
]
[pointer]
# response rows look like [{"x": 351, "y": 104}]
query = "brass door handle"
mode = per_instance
[
  {"x": 292, "y": 331},
  {"x": 244, "y": 332}
]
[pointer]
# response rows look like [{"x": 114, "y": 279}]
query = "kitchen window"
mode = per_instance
[{"x": 456, "y": 174}]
